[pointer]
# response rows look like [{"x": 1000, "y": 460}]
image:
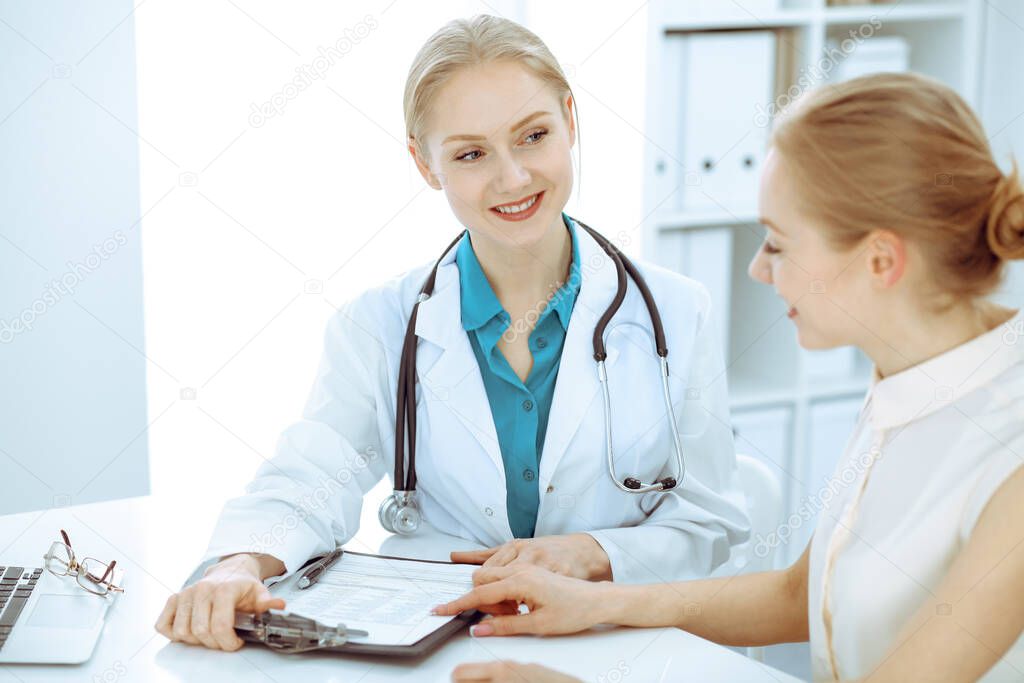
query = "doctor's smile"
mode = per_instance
[
  {"x": 520, "y": 210},
  {"x": 579, "y": 464}
]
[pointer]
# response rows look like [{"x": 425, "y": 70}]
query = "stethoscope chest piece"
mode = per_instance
[{"x": 399, "y": 513}]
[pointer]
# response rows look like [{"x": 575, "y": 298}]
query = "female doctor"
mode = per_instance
[{"x": 510, "y": 428}]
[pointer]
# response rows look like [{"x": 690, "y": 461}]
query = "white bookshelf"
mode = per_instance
[{"x": 783, "y": 413}]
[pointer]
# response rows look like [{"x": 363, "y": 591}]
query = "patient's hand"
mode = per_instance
[
  {"x": 509, "y": 672},
  {"x": 576, "y": 555},
  {"x": 558, "y": 604}
]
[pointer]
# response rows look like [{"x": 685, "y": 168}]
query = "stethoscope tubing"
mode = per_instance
[{"x": 405, "y": 405}]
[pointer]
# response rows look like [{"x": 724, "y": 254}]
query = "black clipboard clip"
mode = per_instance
[{"x": 290, "y": 633}]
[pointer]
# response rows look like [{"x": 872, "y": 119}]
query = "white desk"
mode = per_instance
[{"x": 158, "y": 549}]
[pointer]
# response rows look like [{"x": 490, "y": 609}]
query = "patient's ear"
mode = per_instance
[
  {"x": 885, "y": 257},
  {"x": 423, "y": 165}
]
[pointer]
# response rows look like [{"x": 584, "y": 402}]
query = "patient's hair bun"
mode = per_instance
[{"x": 1005, "y": 226}]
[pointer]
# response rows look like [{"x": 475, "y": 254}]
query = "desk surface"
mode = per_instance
[{"x": 158, "y": 547}]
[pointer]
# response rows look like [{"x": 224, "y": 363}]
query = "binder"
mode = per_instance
[
  {"x": 727, "y": 79},
  {"x": 874, "y": 55},
  {"x": 290, "y": 633}
]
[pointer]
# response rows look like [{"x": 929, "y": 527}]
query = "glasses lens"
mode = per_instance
[
  {"x": 59, "y": 559},
  {"x": 91, "y": 576}
]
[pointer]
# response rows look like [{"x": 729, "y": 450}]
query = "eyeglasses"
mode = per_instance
[{"x": 92, "y": 575}]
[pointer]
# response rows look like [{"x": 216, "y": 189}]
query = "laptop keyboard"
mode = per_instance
[{"x": 16, "y": 585}]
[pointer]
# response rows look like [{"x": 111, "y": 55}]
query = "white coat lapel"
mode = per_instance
[
  {"x": 577, "y": 387},
  {"x": 446, "y": 366}
]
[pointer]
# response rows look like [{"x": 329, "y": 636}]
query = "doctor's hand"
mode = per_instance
[
  {"x": 204, "y": 613},
  {"x": 576, "y": 555},
  {"x": 558, "y": 604},
  {"x": 508, "y": 672}
]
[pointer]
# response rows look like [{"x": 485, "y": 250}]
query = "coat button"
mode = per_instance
[
  {"x": 528, "y": 474},
  {"x": 489, "y": 512},
  {"x": 542, "y": 343},
  {"x": 527, "y": 405}
]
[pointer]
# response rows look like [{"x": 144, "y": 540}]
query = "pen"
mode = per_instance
[{"x": 312, "y": 575}]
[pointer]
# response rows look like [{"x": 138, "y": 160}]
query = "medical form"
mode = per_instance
[{"x": 389, "y": 598}]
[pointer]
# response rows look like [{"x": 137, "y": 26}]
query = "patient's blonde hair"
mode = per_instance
[
  {"x": 906, "y": 153},
  {"x": 461, "y": 43}
]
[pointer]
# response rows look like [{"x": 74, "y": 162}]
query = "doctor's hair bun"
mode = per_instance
[{"x": 1005, "y": 225}]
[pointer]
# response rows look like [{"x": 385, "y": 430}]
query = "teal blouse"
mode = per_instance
[{"x": 520, "y": 410}]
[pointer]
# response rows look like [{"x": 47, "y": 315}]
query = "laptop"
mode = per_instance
[{"x": 47, "y": 619}]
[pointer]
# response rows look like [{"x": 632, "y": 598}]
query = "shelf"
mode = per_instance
[
  {"x": 680, "y": 20},
  {"x": 765, "y": 398},
  {"x": 894, "y": 13},
  {"x": 746, "y": 397},
  {"x": 841, "y": 388},
  {"x": 691, "y": 220}
]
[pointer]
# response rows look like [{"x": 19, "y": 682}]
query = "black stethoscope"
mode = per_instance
[{"x": 400, "y": 514}]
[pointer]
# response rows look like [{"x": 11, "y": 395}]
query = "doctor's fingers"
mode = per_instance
[
  {"x": 181, "y": 630},
  {"x": 538, "y": 558},
  {"x": 473, "y": 556},
  {"x": 222, "y": 622},
  {"x": 199, "y": 600},
  {"x": 256, "y": 598},
  {"x": 213, "y": 612},
  {"x": 200, "y": 623},
  {"x": 506, "y": 554},
  {"x": 165, "y": 621}
]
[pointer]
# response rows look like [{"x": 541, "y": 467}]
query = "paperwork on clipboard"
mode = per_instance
[{"x": 388, "y": 598}]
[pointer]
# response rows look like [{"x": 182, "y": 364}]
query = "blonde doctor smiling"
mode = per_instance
[{"x": 511, "y": 429}]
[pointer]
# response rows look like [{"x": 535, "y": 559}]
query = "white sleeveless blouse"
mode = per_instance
[{"x": 931, "y": 446}]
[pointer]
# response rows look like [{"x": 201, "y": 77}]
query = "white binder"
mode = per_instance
[
  {"x": 705, "y": 9},
  {"x": 727, "y": 79},
  {"x": 882, "y": 53}
]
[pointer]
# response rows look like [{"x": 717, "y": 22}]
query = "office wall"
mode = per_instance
[{"x": 72, "y": 365}]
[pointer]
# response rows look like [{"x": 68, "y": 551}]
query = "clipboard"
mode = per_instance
[{"x": 289, "y": 633}]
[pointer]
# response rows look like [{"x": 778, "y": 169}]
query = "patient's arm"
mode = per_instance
[
  {"x": 751, "y": 609},
  {"x": 745, "y": 610}
]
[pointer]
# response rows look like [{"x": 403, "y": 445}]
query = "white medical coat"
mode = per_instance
[{"x": 309, "y": 495}]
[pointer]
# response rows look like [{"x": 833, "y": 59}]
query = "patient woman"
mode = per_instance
[{"x": 888, "y": 222}]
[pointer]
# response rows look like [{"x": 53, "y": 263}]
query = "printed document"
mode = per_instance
[{"x": 389, "y": 598}]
